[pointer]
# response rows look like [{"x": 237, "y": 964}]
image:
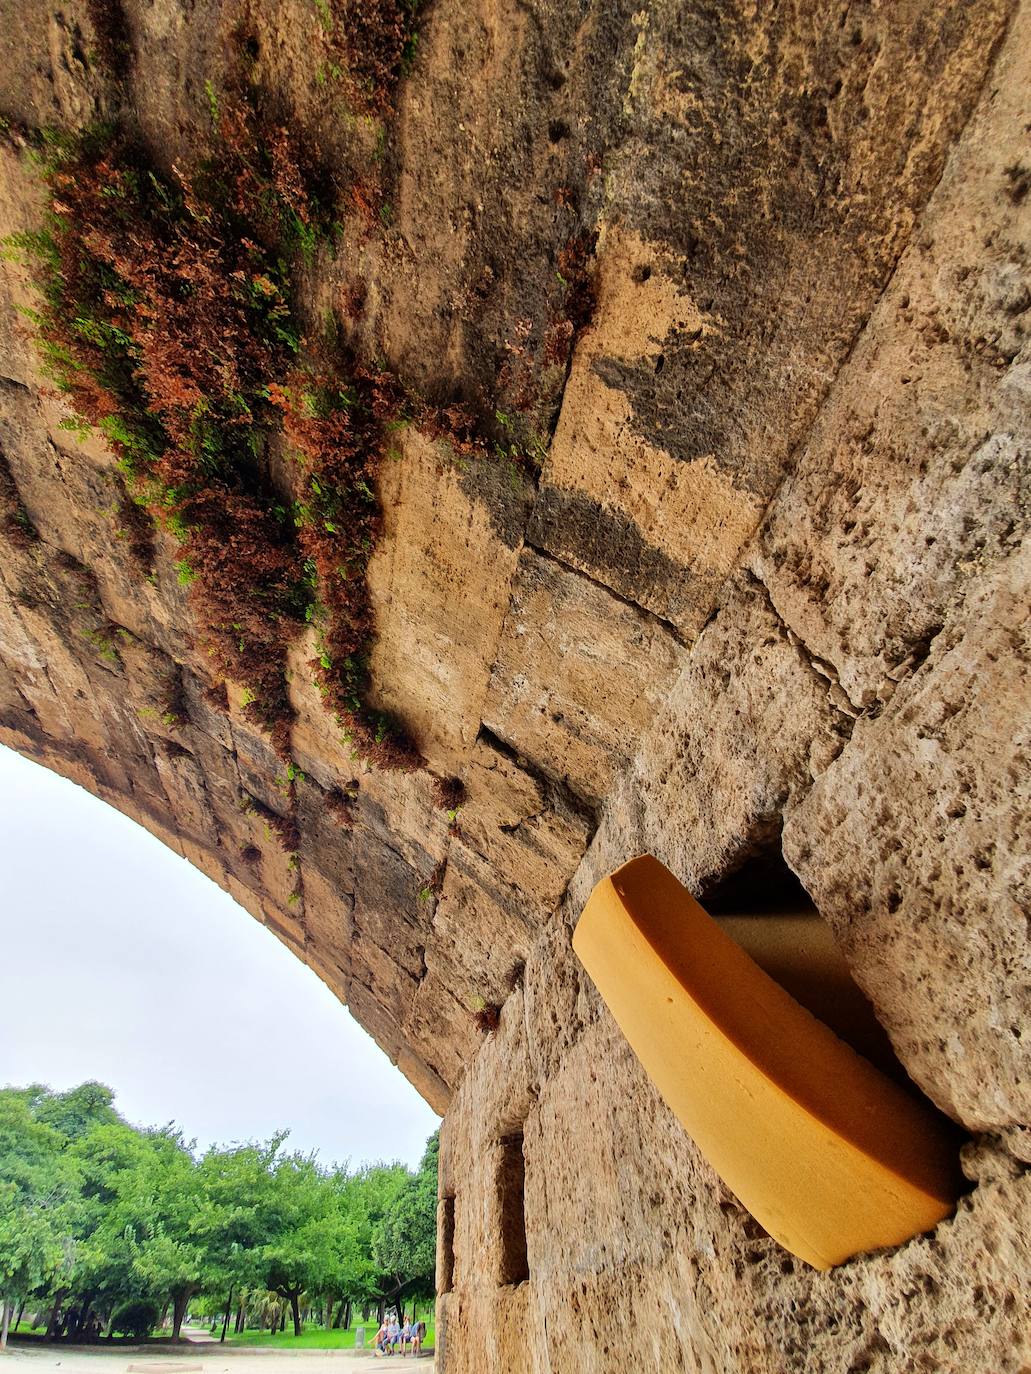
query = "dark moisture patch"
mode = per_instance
[
  {"x": 112, "y": 32},
  {"x": 673, "y": 408},
  {"x": 768, "y": 237},
  {"x": 14, "y": 518},
  {"x": 1018, "y": 179},
  {"x": 505, "y": 492},
  {"x": 574, "y": 526}
]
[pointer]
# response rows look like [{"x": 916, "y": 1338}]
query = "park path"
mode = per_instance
[{"x": 200, "y": 1357}]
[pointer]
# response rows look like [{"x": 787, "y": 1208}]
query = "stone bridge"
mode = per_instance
[{"x": 761, "y": 604}]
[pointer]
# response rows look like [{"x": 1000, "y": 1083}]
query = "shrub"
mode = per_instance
[{"x": 136, "y": 1319}]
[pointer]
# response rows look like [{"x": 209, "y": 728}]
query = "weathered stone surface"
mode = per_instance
[
  {"x": 745, "y": 177},
  {"x": 440, "y": 589},
  {"x": 660, "y": 529},
  {"x": 656, "y": 1258},
  {"x": 929, "y": 886},
  {"x": 578, "y": 674},
  {"x": 746, "y": 725},
  {"x": 916, "y": 479},
  {"x": 768, "y": 595}
]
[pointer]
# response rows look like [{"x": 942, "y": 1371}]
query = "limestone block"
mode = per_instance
[
  {"x": 578, "y": 676},
  {"x": 914, "y": 482},
  {"x": 21, "y": 202},
  {"x": 400, "y": 810},
  {"x": 183, "y": 785},
  {"x": 911, "y": 845},
  {"x": 480, "y": 937},
  {"x": 327, "y": 918},
  {"x": 317, "y": 741},
  {"x": 439, "y": 583},
  {"x": 746, "y": 725},
  {"x": 531, "y": 833},
  {"x": 660, "y": 531},
  {"x": 424, "y": 1079},
  {"x": 440, "y": 1028},
  {"x": 750, "y": 199},
  {"x": 641, "y": 1249}
]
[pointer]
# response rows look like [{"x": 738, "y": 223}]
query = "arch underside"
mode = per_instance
[{"x": 769, "y": 590}]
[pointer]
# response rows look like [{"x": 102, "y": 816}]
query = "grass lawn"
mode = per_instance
[{"x": 313, "y": 1337}]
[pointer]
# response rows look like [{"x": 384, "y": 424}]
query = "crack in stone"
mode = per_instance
[
  {"x": 818, "y": 667},
  {"x": 555, "y": 789},
  {"x": 667, "y": 625}
]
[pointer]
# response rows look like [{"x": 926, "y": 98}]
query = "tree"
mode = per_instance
[
  {"x": 237, "y": 1217},
  {"x": 77, "y": 1111},
  {"x": 112, "y": 1225},
  {"x": 37, "y": 1194},
  {"x": 296, "y": 1255},
  {"x": 404, "y": 1242},
  {"x": 348, "y": 1271},
  {"x": 157, "y": 1205}
]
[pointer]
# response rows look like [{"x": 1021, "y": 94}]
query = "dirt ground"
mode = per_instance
[{"x": 199, "y": 1360}]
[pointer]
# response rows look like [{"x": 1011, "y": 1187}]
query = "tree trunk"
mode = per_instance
[
  {"x": 241, "y": 1317},
  {"x": 225, "y": 1319},
  {"x": 179, "y": 1307},
  {"x": 347, "y": 1315},
  {"x": 8, "y": 1306},
  {"x": 52, "y": 1323},
  {"x": 78, "y": 1319},
  {"x": 327, "y": 1315},
  {"x": 296, "y": 1311},
  {"x": 21, "y": 1313}
]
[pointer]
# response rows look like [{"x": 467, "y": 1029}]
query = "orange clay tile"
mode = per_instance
[{"x": 829, "y": 1154}]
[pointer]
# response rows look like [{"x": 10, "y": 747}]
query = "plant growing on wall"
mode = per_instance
[{"x": 168, "y": 322}]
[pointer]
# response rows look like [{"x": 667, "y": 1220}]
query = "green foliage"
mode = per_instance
[
  {"x": 37, "y": 1196},
  {"x": 136, "y": 1318},
  {"x": 212, "y": 95},
  {"x": 105, "y": 1225},
  {"x": 404, "y": 1243},
  {"x": 165, "y": 315}
]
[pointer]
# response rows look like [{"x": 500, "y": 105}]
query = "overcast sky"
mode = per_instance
[{"x": 121, "y": 962}]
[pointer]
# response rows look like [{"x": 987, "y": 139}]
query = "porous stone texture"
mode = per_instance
[{"x": 767, "y": 596}]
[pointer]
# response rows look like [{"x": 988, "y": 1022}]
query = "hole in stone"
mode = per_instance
[
  {"x": 558, "y": 129},
  {"x": 446, "y": 1256},
  {"x": 641, "y": 274},
  {"x": 514, "y": 1265},
  {"x": 766, "y": 910}
]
